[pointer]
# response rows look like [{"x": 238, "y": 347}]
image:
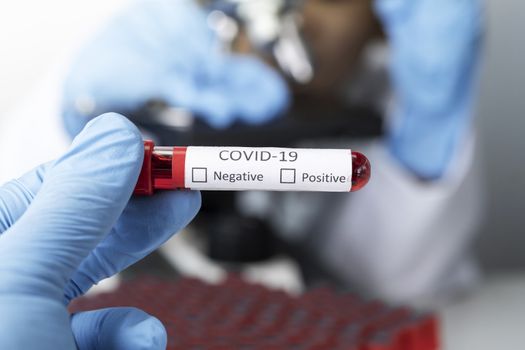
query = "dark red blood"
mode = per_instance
[{"x": 239, "y": 315}]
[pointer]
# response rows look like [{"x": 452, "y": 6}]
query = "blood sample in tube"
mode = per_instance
[{"x": 251, "y": 168}]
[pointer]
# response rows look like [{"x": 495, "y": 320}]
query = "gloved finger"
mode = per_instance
[
  {"x": 120, "y": 328},
  {"x": 83, "y": 194},
  {"x": 145, "y": 224},
  {"x": 17, "y": 195}
]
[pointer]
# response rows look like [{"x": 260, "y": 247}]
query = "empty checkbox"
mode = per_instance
[
  {"x": 287, "y": 176},
  {"x": 199, "y": 175}
]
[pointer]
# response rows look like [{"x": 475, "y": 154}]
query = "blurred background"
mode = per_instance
[{"x": 41, "y": 41}]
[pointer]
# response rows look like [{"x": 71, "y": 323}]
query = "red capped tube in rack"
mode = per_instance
[{"x": 251, "y": 168}]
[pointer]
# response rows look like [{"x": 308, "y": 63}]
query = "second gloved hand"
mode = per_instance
[
  {"x": 164, "y": 49},
  {"x": 435, "y": 53},
  {"x": 67, "y": 225}
]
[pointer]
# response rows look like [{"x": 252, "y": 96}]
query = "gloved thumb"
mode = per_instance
[
  {"x": 82, "y": 195},
  {"x": 120, "y": 328}
]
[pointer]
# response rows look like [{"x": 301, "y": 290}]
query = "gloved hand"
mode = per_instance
[
  {"x": 435, "y": 52},
  {"x": 164, "y": 49},
  {"x": 67, "y": 225}
]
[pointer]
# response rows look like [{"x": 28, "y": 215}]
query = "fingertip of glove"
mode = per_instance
[
  {"x": 186, "y": 203},
  {"x": 142, "y": 331},
  {"x": 118, "y": 328},
  {"x": 194, "y": 203},
  {"x": 114, "y": 122},
  {"x": 169, "y": 211},
  {"x": 115, "y": 131},
  {"x": 154, "y": 333}
]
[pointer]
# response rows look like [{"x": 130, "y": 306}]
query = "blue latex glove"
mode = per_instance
[
  {"x": 67, "y": 225},
  {"x": 435, "y": 53},
  {"x": 164, "y": 49}
]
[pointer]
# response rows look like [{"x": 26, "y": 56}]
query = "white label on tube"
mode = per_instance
[{"x": 267, "y": 168}]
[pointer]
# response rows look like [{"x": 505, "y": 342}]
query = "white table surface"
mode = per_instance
[{"x": 493, "y": 318}]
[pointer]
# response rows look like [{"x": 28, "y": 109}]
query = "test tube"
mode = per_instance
[{"x": 251, "y": 168}]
